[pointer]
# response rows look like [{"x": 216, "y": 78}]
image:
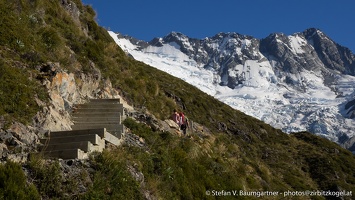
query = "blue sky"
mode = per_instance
[{"x": 145, "y": 20}]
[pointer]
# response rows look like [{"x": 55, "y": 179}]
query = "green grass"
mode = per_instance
[
  {"x": 13, "y": 183},
  {"x": 171, "y": 172},
  {"x": 18, "y": 93},
  {"x": 111, "y": 179},
  {"x": 33, "y": 33},
  {"x": 248, "y": 154}
]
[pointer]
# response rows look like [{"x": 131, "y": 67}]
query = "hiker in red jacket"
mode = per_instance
[{"x": 184, "y": 123}]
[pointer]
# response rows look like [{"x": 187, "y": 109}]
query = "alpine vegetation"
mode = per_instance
[{"x": 55, "y": 60}]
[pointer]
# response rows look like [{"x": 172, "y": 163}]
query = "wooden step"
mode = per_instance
[
  {"x": 66, "y": 154},
  {"x": 108, "y": 137},
  {"x": 99, "y": 101},
  {"x": 97, "y": 114},
  {"x": 98, "y": 106},
  {"x": 85, "y": 146},
  {"x": 93, "y": 138},
  {"x": 100, "y": 132},
  {"x": 114, "y": 129},
  {"x": 98, "y": 110}
]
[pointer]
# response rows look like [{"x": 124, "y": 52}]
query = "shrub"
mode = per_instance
[
  {"x": 13, "y": 183},
  {"x": 47, "y": 177},
  {"x": 111, "y": 179},
  {"x": 18, "y": 92},
  {"x": 50, "y": 38}
]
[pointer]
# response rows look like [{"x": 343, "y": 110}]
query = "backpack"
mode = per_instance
[
  {"x": 183, "y": 119},
  {"x": 186, "y": 121}
]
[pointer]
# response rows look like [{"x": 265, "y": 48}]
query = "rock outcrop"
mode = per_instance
[{"x": 65, "y": 90}]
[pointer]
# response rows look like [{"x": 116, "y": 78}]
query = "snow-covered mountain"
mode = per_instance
[{"x": 303, "y": 81}]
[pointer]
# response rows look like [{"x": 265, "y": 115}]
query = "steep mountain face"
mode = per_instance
[
  {"x": 297, "y": 82},
  {"x": 310, "y": 50},
  {"x": 73, "y": 60},
  {"x": 219, "y": 53},
  {"x": 350, "y": 108},
  {"x": 331, "y": 54}
]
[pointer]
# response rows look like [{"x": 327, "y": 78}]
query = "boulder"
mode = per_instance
[
  {"x": 22, "y": 133},
  {"x": 3, "y": 150}
]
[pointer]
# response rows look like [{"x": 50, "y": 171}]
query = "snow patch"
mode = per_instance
[{"x": 296, "y": 44}]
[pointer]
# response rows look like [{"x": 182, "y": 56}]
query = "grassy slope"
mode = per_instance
[{"x": 248, "y": 155}]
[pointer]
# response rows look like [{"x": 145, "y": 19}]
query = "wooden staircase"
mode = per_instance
[{"x": 95, "y": 123}]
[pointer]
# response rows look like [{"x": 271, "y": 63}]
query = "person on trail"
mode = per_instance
[
  {"x": 176, "y": 117},
  {"x": 184, "y": 123}
]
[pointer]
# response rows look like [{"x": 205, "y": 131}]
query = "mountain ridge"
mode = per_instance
[{"x": 313, "y": 36}]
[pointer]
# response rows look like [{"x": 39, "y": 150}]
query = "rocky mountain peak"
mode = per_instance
[
  {"x": 313, "y": 32},
  {"x": 175, "y": 36},
  {"x": 308, "y": 50},
  {"x": 333, "y": 55}
]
